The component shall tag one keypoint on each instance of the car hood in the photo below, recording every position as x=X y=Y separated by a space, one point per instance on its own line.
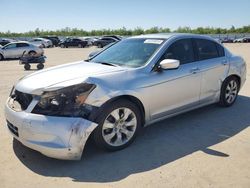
x=62 y=76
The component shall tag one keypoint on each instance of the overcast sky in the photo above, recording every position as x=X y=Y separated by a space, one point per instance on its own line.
x=25 y=15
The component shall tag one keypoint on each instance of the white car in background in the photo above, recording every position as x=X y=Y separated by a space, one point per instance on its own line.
x=41 y=42
x=16 y=50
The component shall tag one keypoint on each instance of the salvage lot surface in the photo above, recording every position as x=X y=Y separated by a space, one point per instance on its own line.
x=208 y=147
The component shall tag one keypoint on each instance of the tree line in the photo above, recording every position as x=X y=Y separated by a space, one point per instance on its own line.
x=126 y=32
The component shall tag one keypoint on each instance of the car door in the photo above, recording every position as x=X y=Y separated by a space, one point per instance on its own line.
x=21 y=48
x=214 y=67
x=76 y=42
x=176 y=90
x=71 y=42
x=10 y=50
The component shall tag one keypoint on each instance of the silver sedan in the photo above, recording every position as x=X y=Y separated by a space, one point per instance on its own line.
x=16 y=50
x=131 y=84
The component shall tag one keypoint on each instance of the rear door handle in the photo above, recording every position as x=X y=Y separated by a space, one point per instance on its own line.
x=194 y=70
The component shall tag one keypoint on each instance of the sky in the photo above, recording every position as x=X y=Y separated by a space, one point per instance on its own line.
x=26 y=15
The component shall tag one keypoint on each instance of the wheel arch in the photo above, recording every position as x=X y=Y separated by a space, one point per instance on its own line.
x=132 y=99
x=2 y=55
x=234 y=75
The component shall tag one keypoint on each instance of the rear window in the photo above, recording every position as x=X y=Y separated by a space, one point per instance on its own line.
x=207 y=49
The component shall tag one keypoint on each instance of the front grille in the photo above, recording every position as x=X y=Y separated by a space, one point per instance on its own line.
x=13 y=128
x=23 y=99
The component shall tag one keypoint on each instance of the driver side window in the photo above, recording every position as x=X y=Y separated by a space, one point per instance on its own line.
x=181 y=50
x=10 y=46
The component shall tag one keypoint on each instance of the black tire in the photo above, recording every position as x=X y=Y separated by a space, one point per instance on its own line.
x=62 y=46
x=224 y=99
x=1 y=57
x=104 y=113
x=32 y=53
x=99 y=45
x=27 y=66
x=40 y=66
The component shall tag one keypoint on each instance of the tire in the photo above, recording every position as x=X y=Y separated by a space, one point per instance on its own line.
x=229 y=91
x=1 y=57
x=112 y=133
x=80 y=46
x=32 y=53
x=40 y=66
x=27 y=66
x=99 y=45
x=62 y=46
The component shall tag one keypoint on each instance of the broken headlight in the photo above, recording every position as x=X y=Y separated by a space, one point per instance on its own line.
x=68 y=101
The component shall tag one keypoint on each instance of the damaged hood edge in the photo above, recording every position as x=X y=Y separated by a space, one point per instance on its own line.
x=62 y=76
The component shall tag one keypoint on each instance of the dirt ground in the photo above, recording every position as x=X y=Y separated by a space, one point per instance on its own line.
x=208 y=147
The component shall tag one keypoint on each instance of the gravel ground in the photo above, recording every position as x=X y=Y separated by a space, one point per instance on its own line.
x=208 y=147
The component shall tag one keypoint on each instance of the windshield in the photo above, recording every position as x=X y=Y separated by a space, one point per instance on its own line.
x=129 y=52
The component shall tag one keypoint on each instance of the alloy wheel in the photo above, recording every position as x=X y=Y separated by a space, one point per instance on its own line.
x=231 y=91
x=119 y=126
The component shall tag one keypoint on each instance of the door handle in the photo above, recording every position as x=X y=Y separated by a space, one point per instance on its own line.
x=194 y=70
x=224 y=62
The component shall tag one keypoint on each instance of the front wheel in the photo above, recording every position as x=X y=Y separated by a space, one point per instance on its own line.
x=229 y=91
x=119 y=124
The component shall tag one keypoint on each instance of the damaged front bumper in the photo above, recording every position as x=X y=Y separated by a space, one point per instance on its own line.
x=56 y=137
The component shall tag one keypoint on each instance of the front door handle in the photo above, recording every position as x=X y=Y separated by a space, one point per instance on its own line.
x=194 y=70
x=224 y=62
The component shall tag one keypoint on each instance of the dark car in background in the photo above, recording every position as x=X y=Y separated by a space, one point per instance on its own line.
x=227 y=40
x=246 y=39
x=100 y=43
x=4 y=41
x=54 y=39
x=114 y=36
x=73 y=42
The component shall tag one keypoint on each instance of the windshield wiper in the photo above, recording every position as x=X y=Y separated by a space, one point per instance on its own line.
x=106 y=63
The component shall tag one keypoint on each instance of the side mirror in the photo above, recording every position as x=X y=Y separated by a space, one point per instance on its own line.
x=168 y=64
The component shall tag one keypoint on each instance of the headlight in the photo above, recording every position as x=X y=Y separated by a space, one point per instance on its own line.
x=68 y=101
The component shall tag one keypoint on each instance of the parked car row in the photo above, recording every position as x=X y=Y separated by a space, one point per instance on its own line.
x=242 y=40
x=239 y=40
x=89 y=41
x=44 y=42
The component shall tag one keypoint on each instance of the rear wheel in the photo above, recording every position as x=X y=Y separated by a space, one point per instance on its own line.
x=32 y=53
x=27 y=66
x=40 y=66
x=119 y=124
x=229 y=91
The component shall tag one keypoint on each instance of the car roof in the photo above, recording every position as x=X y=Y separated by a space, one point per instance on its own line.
x=170 y=35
